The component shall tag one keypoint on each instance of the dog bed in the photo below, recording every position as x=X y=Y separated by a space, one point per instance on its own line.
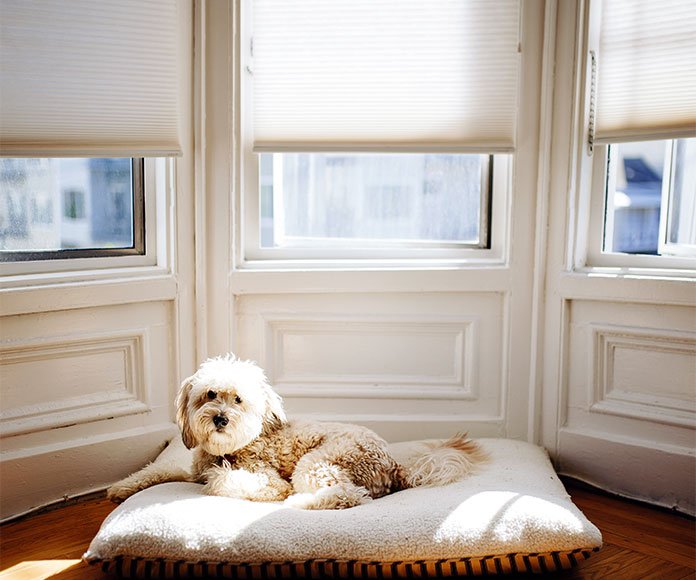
x=512 y=515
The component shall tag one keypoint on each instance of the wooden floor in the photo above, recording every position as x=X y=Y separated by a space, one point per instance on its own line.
x=640 y=543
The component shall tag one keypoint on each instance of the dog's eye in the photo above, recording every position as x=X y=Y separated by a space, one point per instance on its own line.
x=237 y=400
x=212 y=394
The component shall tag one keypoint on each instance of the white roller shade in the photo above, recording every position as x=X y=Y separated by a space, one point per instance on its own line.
x=88 y=78
x=384 y=75
x=647 y=70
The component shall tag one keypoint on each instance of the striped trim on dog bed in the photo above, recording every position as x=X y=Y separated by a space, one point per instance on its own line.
x=475 y=566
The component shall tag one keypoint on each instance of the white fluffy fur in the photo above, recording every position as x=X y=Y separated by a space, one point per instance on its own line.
x=245 y=447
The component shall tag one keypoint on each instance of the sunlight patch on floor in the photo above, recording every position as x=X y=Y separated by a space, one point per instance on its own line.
x=36 y=569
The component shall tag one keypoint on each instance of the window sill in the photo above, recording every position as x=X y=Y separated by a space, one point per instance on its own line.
x=630 y=285
x=51 y=292
x=366 y=277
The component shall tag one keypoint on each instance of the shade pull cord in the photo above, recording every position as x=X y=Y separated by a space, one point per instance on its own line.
x=593 y=103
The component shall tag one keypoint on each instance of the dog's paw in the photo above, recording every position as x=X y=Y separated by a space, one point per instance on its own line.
x=243 y=484
x=120 y=491
x=302 y=501
x=335 y=497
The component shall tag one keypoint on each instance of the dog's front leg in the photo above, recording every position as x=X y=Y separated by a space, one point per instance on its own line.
x=256 y=484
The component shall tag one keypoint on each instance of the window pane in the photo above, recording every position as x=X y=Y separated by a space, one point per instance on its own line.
x=634 y=196
x=55 y=204
x=682 y=214
x=307 y=199
x=651 y=198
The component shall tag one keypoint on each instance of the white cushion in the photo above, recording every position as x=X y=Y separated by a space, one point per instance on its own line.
x=513 y=513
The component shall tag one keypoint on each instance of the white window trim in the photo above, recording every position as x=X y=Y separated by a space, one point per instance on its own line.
x=20 y=281
x=596 y=256
x=587 y=254
x=250 y=256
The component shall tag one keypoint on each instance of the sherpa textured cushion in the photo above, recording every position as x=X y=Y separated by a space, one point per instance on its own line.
x=512 y=515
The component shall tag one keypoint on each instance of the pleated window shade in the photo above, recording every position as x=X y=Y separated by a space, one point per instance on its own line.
x=385 y=75
x=647 y=70
x=88 y=78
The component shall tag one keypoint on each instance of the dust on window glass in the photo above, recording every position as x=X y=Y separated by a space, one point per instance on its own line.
x=321 y=197
x=53 y=204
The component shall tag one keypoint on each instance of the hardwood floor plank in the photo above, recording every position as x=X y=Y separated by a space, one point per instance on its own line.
x=650 y=531
x=647 y=548
x=624 y=565
x=669 y=570
x=672 y=535
x=61 y=534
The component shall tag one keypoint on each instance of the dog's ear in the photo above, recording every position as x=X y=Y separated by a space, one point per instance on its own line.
x=182 y=418
x=275 y=414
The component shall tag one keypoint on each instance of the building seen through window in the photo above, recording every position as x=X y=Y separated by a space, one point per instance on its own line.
x=377 y=198
x=53 y=204
x=651 y=197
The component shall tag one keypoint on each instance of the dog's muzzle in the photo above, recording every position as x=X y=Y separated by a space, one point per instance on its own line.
x=220 y=421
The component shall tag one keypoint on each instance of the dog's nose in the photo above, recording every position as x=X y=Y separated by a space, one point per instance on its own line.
x=220 y=420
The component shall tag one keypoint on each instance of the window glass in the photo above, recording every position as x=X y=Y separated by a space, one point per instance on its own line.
x=650 y=196
x=682 y=209
x=373 y=199
x=55 y=204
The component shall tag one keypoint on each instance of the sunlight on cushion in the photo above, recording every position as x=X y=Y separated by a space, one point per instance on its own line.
x=504 y=515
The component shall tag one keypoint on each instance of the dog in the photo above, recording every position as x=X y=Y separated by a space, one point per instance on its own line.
x=245 y=447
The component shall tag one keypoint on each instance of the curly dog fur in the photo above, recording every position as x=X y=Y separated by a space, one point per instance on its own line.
x=246 y=448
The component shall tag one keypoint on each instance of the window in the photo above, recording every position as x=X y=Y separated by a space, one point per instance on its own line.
x=55 y=208
x=650 y=203
x=356 y=146
x=80 y=135
x=371 y=200
x=640 y=79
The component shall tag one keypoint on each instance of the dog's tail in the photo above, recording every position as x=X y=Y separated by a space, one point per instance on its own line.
x=444 y=462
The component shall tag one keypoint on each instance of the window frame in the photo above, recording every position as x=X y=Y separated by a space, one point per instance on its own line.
x=599 y=191
x=249 y=254
x=666 y=221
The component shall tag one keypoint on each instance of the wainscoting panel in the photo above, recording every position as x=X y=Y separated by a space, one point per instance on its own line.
x=335 y=356
x=630 y=399
x=648 y=374
x=429 y=362
x=87 y=393
x=90 y=377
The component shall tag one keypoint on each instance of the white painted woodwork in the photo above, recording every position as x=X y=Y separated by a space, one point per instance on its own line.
x=619 y=379
x=91 y=358
x=390 y=359
x=92 y=377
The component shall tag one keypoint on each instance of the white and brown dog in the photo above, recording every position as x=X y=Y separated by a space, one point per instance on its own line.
x=244 y=447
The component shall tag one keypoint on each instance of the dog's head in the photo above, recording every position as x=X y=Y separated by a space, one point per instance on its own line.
x=226 y=405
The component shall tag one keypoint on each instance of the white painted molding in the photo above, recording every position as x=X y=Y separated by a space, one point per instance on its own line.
x=624 y=286
x=337 y=280
x=153 y=286
x=96 y=405
x=607 y=340
x=37 y=476
x=461 y=336
x=631 y=467
x=536 y=360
